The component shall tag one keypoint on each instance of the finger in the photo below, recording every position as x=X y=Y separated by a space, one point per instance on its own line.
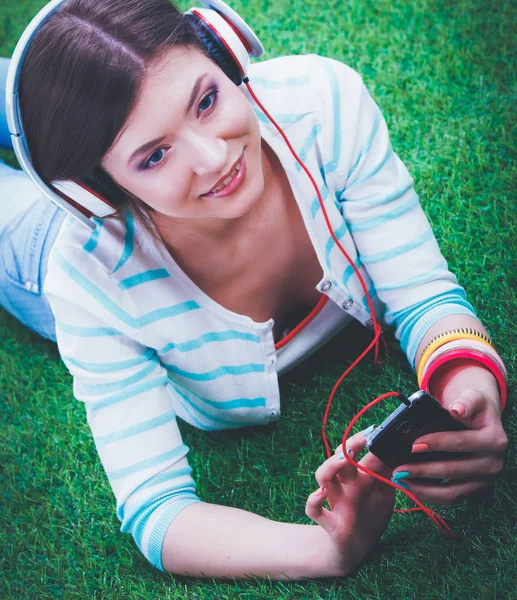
x=357 y=442
x=355 y=445
x=315 y=510
x=370 y=461
x=489 y=440
x=489 y=466
x=327 y=475
x=447 y=493
x=346 y=475
x=469 y=403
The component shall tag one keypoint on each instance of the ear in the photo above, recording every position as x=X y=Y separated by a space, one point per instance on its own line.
x=228 y=39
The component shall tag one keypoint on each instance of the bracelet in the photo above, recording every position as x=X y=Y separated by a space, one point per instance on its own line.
x=468 y=330
x=463 y=333
x=485 y=360
x=467 y=345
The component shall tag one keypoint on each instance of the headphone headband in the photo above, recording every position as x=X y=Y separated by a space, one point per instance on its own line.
x=230 y=42
x=246 y=35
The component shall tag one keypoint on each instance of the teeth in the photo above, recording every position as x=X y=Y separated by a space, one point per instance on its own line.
x=227 y=180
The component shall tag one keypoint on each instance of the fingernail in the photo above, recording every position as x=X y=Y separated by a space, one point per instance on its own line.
x=419 y=447
x=350 y=452
x=340 y=455
x=459 y=408
x=400 y=475
x=321 y=490
x=369 y=430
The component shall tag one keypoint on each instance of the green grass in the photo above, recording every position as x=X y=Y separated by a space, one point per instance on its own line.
x=442 y=73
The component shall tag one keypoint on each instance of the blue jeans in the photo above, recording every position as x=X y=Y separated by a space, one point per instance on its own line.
x=29 y=224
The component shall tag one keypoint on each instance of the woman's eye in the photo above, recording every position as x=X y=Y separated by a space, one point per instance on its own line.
x=208 y=101
x=155 y=158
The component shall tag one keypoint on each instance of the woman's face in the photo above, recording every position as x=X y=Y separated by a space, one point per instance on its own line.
x=191 y=147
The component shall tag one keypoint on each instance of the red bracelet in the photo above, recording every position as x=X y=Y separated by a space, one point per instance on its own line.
x=485 y=360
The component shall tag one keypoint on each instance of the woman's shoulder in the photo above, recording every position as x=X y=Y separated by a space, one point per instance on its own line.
x=96 y=259
x=311 y=90
x=108 y=246
x=300 y=70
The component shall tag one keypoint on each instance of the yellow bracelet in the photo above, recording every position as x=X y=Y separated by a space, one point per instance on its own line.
x=463 y=333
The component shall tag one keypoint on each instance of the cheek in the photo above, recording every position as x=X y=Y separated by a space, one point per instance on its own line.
x=239 y=117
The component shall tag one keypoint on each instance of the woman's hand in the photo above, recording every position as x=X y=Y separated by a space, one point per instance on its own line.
x=360 y=506
x=471 y=395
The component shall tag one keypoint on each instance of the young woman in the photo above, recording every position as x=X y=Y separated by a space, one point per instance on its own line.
x=218 y=273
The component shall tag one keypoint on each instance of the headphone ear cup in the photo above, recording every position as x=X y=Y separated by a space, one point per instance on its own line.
x=99 y=181
x=95 y=194
x=215 y=49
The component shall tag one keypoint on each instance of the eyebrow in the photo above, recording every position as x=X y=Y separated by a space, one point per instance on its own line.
x=195 y=91
x=149 y=145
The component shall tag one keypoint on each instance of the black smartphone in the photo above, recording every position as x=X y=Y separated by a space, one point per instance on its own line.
x=392 y=441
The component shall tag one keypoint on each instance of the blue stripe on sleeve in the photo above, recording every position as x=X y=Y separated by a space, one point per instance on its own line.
x=415 y=318
x=137 y=519
x=420 y=240
x=110 y=366
x=134 y=280
x=117 y=386
x=162 y=478
x=281 y=83
x=142 y=465
x=122 y=434
x=368 y=224
x=373 y=172
x=284 y=119
x=134 y=390
x=332 y=165
x=306 y=144
x=368 y=143
x=419 y=279
x=372 y=202
x=153 y=482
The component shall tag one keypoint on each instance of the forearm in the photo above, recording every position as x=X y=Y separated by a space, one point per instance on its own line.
x=210 y=540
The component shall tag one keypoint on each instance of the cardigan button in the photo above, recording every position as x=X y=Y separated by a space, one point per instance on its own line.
x=369 y=324
x=271 y=363
x=348 y=304
x=325 y=286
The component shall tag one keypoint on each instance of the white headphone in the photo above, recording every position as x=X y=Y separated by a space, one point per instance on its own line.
x=229 y=41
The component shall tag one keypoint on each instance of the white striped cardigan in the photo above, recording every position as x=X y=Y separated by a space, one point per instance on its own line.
x=146 y=346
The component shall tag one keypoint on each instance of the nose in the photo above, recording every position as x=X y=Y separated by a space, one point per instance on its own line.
x=208 y=154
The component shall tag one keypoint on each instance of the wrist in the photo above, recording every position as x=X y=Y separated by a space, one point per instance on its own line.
x=328 y=559
x=449 y=380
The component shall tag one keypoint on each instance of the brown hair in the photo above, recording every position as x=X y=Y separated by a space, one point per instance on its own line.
x=80 y=79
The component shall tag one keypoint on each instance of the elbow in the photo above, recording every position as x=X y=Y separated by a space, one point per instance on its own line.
x=148 y=523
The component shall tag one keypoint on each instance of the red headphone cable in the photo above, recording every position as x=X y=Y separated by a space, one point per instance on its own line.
x=436 y=518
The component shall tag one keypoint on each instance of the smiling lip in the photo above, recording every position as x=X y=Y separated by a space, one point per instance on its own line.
x=235 y=183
